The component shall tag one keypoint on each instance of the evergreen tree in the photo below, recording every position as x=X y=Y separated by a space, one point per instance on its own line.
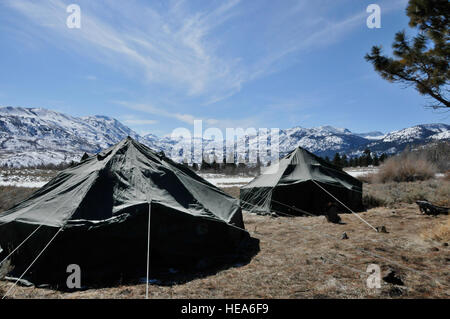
x=422 y=62
x=337 y=160
x=215 y=165
x=230 y=166
x=367 y=157
x=223 y=165
x=351 y=162
x=362 y=161
x=376 y=161
x=242 y=168
x=344 y=161
x=186 y=162
x=258 y=166
x=206 y=166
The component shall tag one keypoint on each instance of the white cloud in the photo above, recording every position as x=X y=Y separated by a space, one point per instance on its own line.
x=150 y=109
x=179 y=48
x=170 y=50
x=139 y=122
x=189 y=118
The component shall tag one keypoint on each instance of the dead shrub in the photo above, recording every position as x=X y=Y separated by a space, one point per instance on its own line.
x=367 y=178
x=406 y=167
x=371 y=201
x=390 y=194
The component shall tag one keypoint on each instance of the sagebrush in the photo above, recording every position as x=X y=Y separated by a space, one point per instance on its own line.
x=406 y=167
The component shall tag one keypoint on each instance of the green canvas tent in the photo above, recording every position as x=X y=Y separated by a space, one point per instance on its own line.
x=97 y=213
x=297 y=183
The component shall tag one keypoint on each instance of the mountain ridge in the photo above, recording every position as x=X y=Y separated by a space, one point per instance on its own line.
x=38 y=136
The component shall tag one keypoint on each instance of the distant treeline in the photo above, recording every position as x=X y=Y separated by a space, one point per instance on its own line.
x=50 y=166
x=366 y=159
x=215 y=167
x=437 y=153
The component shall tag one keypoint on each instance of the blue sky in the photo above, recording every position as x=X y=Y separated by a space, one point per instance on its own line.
x=158 y=65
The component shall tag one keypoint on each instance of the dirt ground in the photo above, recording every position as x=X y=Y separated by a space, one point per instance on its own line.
x=306 y=257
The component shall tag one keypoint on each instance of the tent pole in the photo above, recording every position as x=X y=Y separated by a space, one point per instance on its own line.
x=148 y=248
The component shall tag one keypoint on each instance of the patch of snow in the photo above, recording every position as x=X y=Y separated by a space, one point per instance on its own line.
x=22 y=184
x=221 y=180
x=358 y=172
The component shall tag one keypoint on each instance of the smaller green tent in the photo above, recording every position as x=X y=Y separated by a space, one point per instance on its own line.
x=300 y=182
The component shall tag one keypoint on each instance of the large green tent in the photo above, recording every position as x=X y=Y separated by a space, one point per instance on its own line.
x=97 y=213
x=301 y=183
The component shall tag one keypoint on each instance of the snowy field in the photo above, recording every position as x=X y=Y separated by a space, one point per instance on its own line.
x=37 y=178
x=361 y=171
x=30 y=178
x=22 y=183
x=33 y=178
x=222 y=181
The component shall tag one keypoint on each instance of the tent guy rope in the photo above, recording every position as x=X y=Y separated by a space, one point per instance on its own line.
x=32 y=263
x=20 y=245
x=345 y=206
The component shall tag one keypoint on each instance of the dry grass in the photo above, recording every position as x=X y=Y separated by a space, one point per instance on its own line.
x=447 y=176
x=368 y=178
x=10 y=195
x=437 y=191
x=232 y=191
x=440 y=232
x=306 y=258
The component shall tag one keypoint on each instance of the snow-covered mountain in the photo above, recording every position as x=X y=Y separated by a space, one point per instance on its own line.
x=323 y=141
x=417 y=135
x=376 y=135
x=32 y=136
x=327 y=140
